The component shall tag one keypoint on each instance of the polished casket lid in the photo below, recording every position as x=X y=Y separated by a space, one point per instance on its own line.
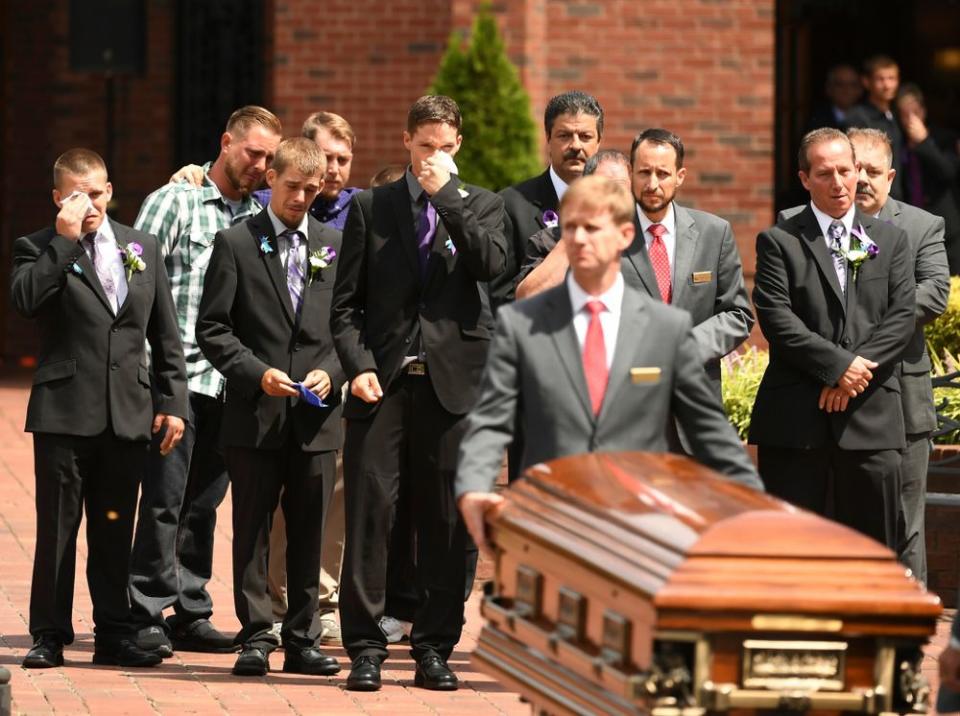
x=667 y=527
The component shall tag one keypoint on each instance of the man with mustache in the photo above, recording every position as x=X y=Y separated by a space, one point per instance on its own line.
x=926 y=234
x=173 y=547
x=835 y=296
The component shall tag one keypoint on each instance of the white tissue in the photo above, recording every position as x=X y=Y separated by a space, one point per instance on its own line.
x=446 y=161
x=90 y=209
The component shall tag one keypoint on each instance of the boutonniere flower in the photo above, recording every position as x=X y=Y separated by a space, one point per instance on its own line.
x=75 y=267
x=131 y=255
x=265 y=247
x=862 y=248
x=462 y=188
x=450 y=247
x=319 y=260
x=550 y=218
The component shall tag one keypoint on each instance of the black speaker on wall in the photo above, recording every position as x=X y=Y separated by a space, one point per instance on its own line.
x=107 y=36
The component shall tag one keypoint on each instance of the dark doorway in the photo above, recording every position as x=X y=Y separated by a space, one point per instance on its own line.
x=923 y=36
x=220 y=57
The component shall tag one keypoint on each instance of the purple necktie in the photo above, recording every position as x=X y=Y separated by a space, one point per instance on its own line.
x=426 y=229
x=103 y=271
x=294 y=269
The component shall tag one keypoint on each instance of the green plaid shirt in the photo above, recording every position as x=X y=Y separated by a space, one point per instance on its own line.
x=185 y=220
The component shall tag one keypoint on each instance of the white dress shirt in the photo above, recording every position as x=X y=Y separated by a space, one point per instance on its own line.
x=111 y=261
x=612 y=300
x=284 y=243
x=559 y=185
x=669 y=238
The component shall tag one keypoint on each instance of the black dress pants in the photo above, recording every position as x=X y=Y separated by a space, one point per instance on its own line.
x=173 y=547
x=865 y=484
x=101 y=474
x=409 y=441
x=256 y=477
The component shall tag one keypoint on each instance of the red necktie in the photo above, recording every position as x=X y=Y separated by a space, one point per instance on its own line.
x=595 y=357
x=660 y=261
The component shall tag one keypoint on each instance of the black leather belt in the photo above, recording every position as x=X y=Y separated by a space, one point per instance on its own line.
x=416 y=367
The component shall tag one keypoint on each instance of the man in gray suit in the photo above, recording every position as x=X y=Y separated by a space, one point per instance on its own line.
x=591 y=365
x=926 y=234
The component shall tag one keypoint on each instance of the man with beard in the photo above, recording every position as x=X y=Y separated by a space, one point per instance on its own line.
x=926 y=234
x=173 y=546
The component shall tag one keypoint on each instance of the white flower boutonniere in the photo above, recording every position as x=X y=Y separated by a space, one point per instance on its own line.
x=265 y=247
x=319 y=260
x=862 y=248
x=462 y=189
x=131 y=257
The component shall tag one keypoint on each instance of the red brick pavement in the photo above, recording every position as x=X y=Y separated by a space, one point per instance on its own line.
x=196 y=683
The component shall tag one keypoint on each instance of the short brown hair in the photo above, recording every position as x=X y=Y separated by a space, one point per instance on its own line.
x=876 y=137
x=433 y=108
x=78 y=162
x=601 y=193
x=819 y=136
x=301 y=154
x=878 y=62
x=387 y=175
x=338 y=127
x=244 y=118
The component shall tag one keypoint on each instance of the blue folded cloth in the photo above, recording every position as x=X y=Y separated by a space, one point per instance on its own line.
x=309 y=397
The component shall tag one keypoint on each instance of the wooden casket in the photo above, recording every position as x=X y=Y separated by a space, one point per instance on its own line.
x=631 y=583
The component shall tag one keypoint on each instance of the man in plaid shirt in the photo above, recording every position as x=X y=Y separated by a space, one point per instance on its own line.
x=173 y=546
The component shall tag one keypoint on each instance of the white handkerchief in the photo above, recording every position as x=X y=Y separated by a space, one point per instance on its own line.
x=446 y=161
x=90 y=209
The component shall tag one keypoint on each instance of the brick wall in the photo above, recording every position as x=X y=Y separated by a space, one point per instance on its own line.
x=50 y=109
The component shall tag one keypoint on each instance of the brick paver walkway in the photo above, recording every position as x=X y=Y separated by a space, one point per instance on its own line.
x=196 y=683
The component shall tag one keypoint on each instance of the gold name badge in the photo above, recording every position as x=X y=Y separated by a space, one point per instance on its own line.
x=644 y=375
x=702 y=276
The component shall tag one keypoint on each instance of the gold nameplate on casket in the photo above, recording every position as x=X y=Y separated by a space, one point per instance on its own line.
x=631 y=583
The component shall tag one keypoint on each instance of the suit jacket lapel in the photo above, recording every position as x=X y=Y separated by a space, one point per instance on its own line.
x=633 y=324
x=685 y=248
x=261 y=227
x=816 y=244
x=640 y=260
x=401 y=208
x=568 y=348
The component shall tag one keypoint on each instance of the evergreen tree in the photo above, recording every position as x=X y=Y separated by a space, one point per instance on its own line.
x=500 y=144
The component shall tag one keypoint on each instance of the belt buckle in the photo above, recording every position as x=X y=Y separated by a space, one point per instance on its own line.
x=417 y=368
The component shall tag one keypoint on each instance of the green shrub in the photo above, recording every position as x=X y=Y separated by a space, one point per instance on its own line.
x=742 y=371
x=946 y=399
x=501 y=142
x=943 y=334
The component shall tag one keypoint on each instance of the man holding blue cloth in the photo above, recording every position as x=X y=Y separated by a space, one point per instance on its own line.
x=264 y=323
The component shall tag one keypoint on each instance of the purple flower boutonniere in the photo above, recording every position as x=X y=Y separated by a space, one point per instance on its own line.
x=131 y=257
x=319 y=260
x=265 y=247
x=550 y=218
x=862 y=248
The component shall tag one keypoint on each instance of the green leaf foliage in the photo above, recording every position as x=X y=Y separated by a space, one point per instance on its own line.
x=943 y=334
x=741 y=372
x=500 y=139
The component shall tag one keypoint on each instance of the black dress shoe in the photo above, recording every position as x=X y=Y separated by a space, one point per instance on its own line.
x=126 y=653
x=252 y=661
x=154 y=638
x=200 y=635
x=364 y=674
x=434 y=674
x=310 y=661
x=47 y=652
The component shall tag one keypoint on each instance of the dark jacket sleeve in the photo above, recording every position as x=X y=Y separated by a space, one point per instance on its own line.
x=941 y=165
x=166 y=349
x=886 y=344
x=349 y=291
x=476 y=230
x=215 y=335
x=39 y=274
x=802 y=348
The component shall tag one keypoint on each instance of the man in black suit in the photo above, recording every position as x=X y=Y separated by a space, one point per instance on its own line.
x=931 y=166
x=98 y=290
x=412 y=325
x=834 y=293
x=573 y=123
x=264 y=323
x=925 y=232
x=843 y=91
x=881 y=79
